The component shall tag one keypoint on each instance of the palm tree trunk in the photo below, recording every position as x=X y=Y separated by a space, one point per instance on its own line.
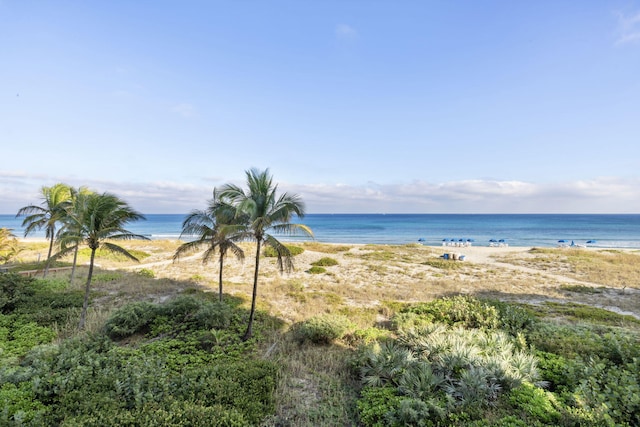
x=73 y=268
x=220 y=275
x=249 y=331
x=46 y=264
x=85 y=304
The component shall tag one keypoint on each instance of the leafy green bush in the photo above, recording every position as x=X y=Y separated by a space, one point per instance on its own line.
x=145 y=272
x=325 y=262
x=268 y=251
x=180 y=309
x=513 y=318
x=376 y=404
x=316 y=270
x=19 y=407
x=46 y=307
x=14 y=289
x=130 y=319
x=322 y=329
x=213 y=315
x=535 y=402
x=155 y=415
x=464 y=311
x=559 y=372
x=613 y=393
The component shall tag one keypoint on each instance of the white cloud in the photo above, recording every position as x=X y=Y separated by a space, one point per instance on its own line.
x=599 y=195
x=345 y=32
x=185 y=110
x=628 y=28
x=602 y=195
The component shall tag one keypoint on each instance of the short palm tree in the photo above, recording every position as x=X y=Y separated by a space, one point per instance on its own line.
x=48 y=215
x=96 y=220
x=264 y=212
x=217 y=230
x=8 y=245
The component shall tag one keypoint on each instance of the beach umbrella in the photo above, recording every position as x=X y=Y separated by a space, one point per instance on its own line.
x=562 y=241
x=493 y=240
x=470 y=240
x=445 y=240
x=421 y=239
x=501 y=241
x=591 y=241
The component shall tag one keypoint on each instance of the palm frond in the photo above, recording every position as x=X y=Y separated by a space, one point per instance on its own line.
x=118 y=249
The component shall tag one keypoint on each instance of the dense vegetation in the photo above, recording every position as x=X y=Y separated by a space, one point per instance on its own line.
x=452 y=361
x=177 y=363
x=464 y=361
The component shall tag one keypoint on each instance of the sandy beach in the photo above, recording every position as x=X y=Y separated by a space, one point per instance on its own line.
x=366 y=275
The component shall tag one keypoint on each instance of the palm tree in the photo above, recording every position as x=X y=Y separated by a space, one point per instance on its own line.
x=74 y=210
x=97 y=219
x=264 y=211
x=55 y=201
x=8 y=245
x=217 y=229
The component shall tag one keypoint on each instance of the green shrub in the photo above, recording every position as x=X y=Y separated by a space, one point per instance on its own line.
x=376 y=404
x=145 y=272
x=613 y=393
x=180 y=309
x=14 y=289
x=464 y=311
x=19 y=407
x=213 y=315
x=322 y=329
x=535 y=402
x=316 y=270
x=513 y=319
x=51 y=284
x=325 y=262
x=268 y=251
x=131 y=319
x=18 y=335
x=47 y=308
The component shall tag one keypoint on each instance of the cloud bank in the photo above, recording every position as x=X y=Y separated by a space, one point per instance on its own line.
x=598 y=195
x=628 y=28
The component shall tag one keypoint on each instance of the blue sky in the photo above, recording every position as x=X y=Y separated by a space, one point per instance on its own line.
x=357 y=106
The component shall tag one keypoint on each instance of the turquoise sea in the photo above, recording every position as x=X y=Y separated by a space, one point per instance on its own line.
x=608 y=231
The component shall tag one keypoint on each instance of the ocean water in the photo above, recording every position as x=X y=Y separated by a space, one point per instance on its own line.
x=608 y=231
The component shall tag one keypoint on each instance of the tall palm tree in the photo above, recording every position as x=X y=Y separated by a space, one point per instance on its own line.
x=217 y=229
x=99 y=218
x=74 y=210
x=265 y=212
x=55 y=201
